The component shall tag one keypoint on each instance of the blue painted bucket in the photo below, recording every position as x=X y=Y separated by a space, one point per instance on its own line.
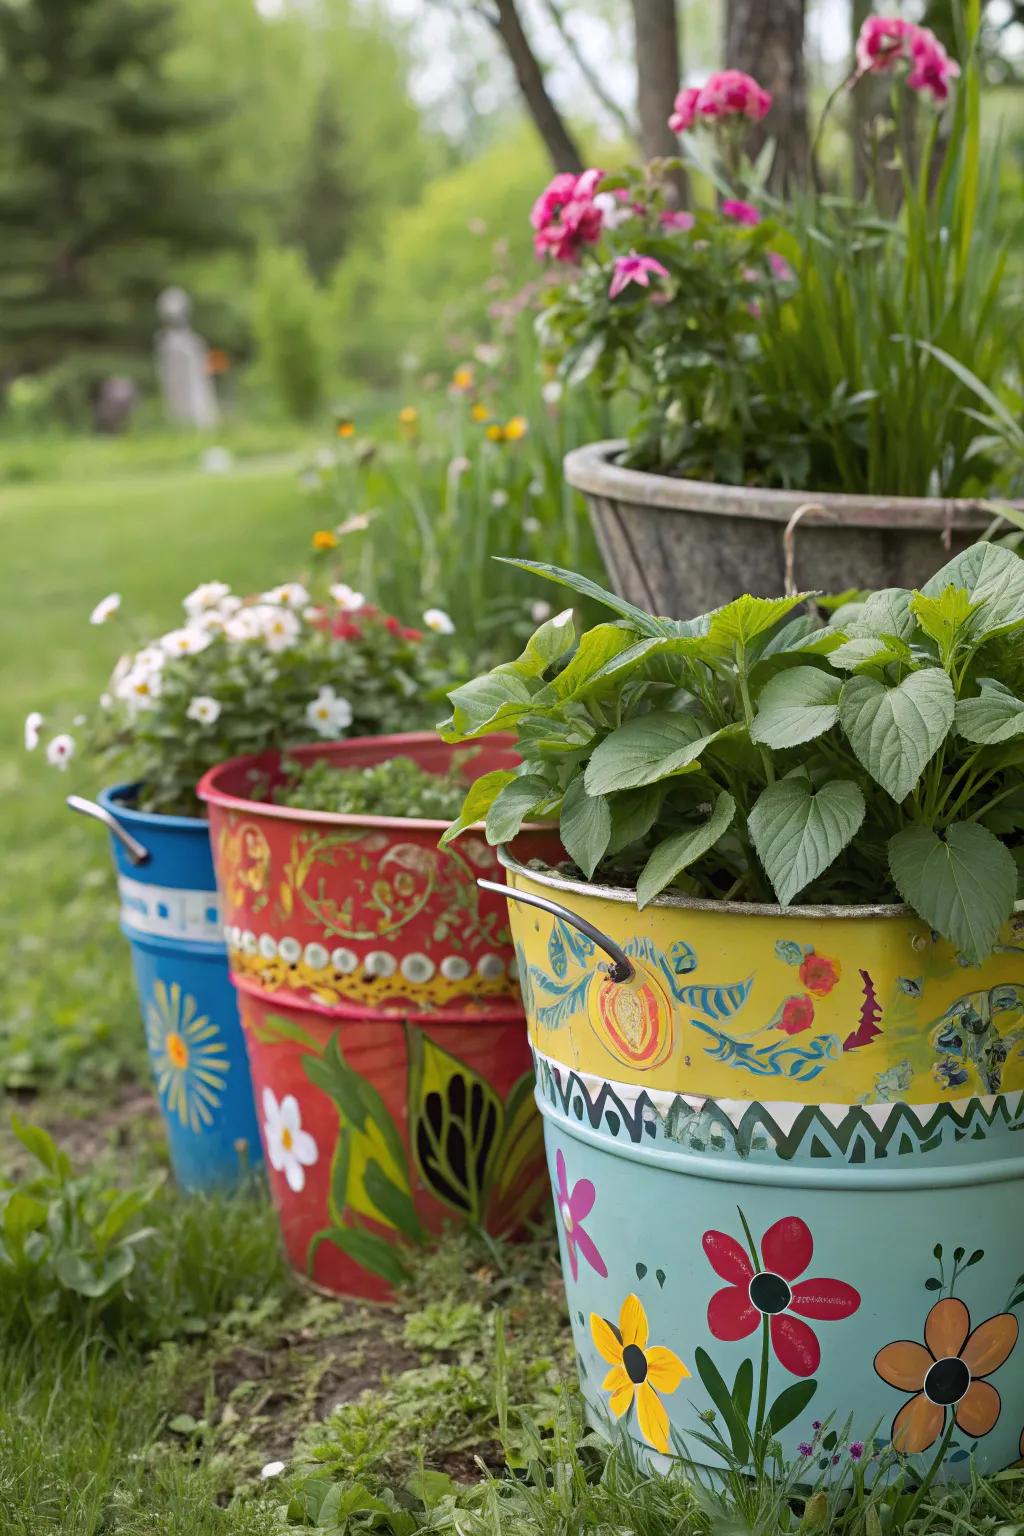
x=170 y=915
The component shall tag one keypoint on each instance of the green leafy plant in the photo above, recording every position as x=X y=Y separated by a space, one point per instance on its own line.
x=396 y=787
x=755 y=751
x=291 y=665
x=66 y=1240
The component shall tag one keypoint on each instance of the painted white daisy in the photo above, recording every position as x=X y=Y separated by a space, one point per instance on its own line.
x=60 y=751
x=33 y=725
x=291 y=1149
x=347 y=599
x=106 y=608
x=208 y=594
x=203 y=709
x=437 y=620
x=292 y=594
x=328 y=713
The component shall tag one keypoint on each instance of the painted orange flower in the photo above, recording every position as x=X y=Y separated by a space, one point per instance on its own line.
x=639 y=1371
x=819 y=973
x=947 y=1371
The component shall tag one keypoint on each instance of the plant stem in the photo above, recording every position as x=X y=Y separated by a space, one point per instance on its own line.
x=932 y=1471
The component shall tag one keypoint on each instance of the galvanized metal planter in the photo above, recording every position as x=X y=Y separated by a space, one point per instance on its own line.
x=377 y=986
x=680 y=547
x=787 y=1162
x=170 y=915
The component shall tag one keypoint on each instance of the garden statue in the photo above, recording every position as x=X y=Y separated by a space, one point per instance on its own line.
x=181 y=360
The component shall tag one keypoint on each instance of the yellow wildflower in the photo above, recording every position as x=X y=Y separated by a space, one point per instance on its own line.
x=408 y=416
x=496 y=432
x=462 y=378
x=325 y=539
x=480 y=412
x=346 y=429
x=516 y=427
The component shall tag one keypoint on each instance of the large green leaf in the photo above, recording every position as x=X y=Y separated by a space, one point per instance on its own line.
x=585 y=826
x=943 y=618
x=642 y=660
x=634 y=813
x=643 y=622
x=798 y=833
x=682 y=848
x=796 y=706
x=480 y=797
x=895 y=732
x=512 y=805
x=995 y=715
x=885 y=612
x=992 y=576
x=487 y=704
x=545 y=646
x=645 y=749
x=597 y=647
x=962 y=884
x=736 y=626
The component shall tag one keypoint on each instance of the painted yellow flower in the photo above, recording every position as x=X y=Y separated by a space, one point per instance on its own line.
x=516 y=427
x=638 y=1371
x=190 y=1060
x=325 y=539
x=479 y=412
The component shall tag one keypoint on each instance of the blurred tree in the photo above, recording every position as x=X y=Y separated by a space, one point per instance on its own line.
x=767 y=41
x=504 y=17
x=107 y=181
x=325 y=206
x=656 y=30
x=289 y=315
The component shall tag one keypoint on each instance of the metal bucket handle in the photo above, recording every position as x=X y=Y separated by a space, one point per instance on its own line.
x=135 y=850
x=621 y=968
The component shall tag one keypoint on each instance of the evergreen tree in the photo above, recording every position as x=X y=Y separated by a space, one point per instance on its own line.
x=326 y=204
x=107 y=184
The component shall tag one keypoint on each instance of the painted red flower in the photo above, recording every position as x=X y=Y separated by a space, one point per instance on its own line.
x=796 y=1016
x=819 y=973
x=769 y=1292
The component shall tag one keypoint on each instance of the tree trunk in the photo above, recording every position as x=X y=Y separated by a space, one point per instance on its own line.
x=530 y=77
x=765 y=38
x=656 y=29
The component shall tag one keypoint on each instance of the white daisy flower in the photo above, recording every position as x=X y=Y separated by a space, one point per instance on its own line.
x=247 y=624
x=292 y=594
x=329 y=714
x=150 y=659
x=140 y=688
x=499 y=498
x=291 y=1149
x=551 y=391
x=185 y=642
x=208 y=594
x=272 y=1469
x=279 y=627
x=203 y=709
x=106 y=608
x=437 y=620
x=531 y=525
x=33 y=725
x=60 y=751
x=458 y=467
x=347 y=600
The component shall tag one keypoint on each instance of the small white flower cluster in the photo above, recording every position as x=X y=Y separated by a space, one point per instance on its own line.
x=60 y=749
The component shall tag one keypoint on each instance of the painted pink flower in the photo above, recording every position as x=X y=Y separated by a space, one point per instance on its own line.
x=566 y=217
x=634 y=269
x=677 y=218
x=766 y=1290
x=572 y=1208
x=731 y=93
x=739 y=212
x=684 y=109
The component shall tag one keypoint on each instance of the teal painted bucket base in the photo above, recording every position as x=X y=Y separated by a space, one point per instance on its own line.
x=838 y=1300
x=170 y=915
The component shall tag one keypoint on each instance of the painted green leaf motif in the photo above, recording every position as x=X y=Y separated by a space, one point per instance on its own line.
x=996 y=715
x=514 y=1194
x=714 y=1385
x=512 y=805
x=586 y=826
x=964 y=886
x=482 y=794
x=895 y=732
x=993 y=577
x=456 y=1124
x=789 y=1405
x=682 y=848
x=368 y=1249
x=798 y=834
x=646 y=749
x=796 y=706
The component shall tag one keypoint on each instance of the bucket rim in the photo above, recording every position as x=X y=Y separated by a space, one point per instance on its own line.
x=208 y=789
x=116 y=799
x=626 y=896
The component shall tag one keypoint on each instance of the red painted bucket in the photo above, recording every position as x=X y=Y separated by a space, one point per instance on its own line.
x=377 y=985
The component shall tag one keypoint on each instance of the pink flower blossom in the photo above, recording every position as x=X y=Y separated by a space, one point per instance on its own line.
x=685 y=109
x=565 y=216
x=634 y=268
x=780 y=267
x=887 y=41
x=740 y=212
x=677 y=218
x=572 y=1208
